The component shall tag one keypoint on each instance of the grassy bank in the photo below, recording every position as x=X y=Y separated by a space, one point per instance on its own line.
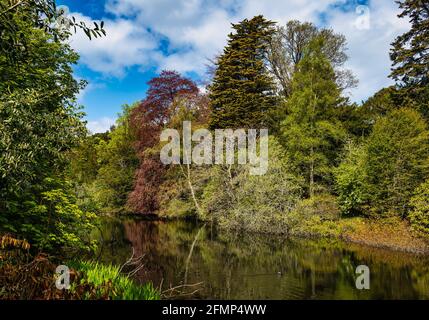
x=388 y=233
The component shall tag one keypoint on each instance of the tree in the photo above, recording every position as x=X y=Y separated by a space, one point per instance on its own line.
x=42 y=14
x=154 y=112
x=39 y=123
x=397 y=160
x=39 y=117
x=380 y=176
x=117 y=161
x=364 y=117
x=239 y=201
x=148 y=119
x=312 y=134
x=242 y=92
x=289 y=45
x=410 y=56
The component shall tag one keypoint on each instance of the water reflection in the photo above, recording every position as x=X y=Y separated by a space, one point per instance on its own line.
x=260 y=267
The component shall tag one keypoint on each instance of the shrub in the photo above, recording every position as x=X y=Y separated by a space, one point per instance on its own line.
x=323 y=205
x=381 y=175
x=419 y=215
x=51 y=220
x=350 y=181
x=240 y=201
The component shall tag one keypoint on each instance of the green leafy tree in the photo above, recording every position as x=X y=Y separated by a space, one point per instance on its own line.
x=39 y=123
x=242 y=92
x=41 y=14
x=312 y=133
x=397 y=160
x=239 y=201
x=117 y=161
x=380 y=176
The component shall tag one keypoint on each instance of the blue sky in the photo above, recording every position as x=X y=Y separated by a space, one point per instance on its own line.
x=147 y=36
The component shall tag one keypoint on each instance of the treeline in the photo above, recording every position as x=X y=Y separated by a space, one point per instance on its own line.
x=329 y=158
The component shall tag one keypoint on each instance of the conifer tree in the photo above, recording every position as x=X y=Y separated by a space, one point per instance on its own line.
x=242 y=93
x=410 y=56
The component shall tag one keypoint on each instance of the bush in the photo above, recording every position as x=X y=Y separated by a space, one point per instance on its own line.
x=323 y=205
x=419 y=215
x=380 y=176
x=50 y=219
x=240 y=201
x=350 y=181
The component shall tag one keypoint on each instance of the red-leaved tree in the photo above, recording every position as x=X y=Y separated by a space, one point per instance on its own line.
x=148 y=119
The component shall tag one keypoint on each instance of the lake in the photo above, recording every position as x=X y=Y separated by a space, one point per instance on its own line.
x=223 y=266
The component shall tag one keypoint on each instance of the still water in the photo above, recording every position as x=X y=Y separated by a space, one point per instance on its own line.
x=258 y=267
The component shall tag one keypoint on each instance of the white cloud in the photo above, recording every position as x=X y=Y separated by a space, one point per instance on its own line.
x=126 y=45
x=197 y=30
x=100 y=125
x=369 y=48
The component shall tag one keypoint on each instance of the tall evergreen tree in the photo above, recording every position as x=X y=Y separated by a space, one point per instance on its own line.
x=312 y=131
x=410 y=56
x=242 y=93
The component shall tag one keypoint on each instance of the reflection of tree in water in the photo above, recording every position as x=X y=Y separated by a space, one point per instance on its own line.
x=252 y=266
x=164 y=246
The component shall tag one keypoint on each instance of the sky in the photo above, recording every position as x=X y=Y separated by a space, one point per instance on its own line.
x=145 y=37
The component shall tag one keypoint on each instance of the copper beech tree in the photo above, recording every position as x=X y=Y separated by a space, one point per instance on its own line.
x=148 y=119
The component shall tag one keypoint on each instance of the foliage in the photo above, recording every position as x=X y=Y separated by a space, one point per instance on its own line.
x=381 y=176
x=148 y=119
x=381 y=103
x=109 y=283
x=50 y=219
x=312 y=133
x=289 y=45
x=351 y=180
x=26 y=277
x=150 y=116
x=410 y=56
x=117 y=161
x=238 y=201
x=84 y=163
x=39 y=123
x=409 y=51
x=419 y=215
x=397 y=162
x=242 y=92
x=40 y=14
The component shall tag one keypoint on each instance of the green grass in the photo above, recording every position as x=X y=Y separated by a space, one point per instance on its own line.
x=109 y=283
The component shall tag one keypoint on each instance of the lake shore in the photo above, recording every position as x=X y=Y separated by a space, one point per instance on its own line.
x=391 y=234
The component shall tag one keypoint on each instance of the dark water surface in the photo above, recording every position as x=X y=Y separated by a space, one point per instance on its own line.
x=259 y=267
